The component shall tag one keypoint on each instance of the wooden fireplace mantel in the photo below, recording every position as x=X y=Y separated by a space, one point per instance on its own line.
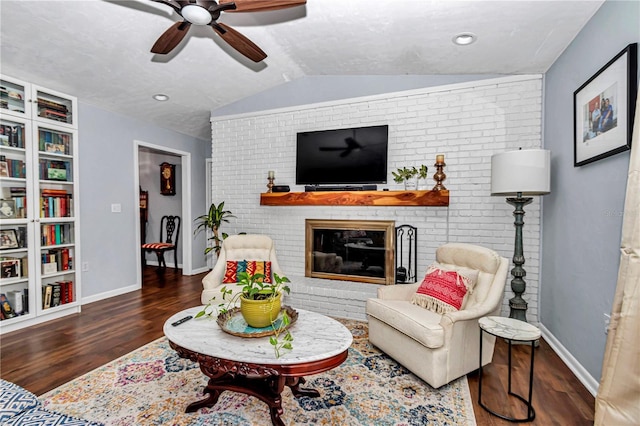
x=357 y=198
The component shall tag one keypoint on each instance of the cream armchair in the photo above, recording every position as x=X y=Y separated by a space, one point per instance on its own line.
x=440 y=348
x=238 y=247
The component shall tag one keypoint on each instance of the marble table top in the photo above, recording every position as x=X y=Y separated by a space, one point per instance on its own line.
x=509 y=328
x=316 y=337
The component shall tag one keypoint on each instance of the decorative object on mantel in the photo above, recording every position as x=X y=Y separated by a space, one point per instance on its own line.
x=271 y=175
x=167 y=179
x=439 y=176
x=522 y=172
x=410 y=176
x=603 y=109
x=212 y=221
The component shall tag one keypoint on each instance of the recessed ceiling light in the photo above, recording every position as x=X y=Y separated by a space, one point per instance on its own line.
x=160 y=97
x=464 y=39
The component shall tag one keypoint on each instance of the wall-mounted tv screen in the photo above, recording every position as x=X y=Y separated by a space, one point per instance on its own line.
x=342 y=156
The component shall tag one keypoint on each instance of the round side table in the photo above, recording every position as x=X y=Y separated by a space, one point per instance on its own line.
x=511 y=330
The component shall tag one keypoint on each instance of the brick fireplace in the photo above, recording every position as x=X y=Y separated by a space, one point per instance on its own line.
x=466 y=122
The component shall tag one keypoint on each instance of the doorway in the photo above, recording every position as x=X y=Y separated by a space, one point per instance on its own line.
x=147 y=160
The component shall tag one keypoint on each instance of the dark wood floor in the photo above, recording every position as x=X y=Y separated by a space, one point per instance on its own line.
x=45 y=356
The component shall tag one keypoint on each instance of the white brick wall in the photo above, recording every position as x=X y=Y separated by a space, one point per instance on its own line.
x=467 y=122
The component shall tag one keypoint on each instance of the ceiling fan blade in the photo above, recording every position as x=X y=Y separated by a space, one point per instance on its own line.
x=170 y=38
x=171 y=3
x=239 y=42
x=262 y=5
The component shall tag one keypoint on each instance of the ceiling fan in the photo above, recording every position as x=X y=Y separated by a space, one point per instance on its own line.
x=206 y=12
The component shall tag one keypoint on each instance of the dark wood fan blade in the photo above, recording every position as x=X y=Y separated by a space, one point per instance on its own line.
x=262 y=5
x=171 y=3
x=170 y=38
x=239 y=42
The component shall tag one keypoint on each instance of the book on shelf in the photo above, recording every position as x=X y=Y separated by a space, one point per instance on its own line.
x=55 y=142
x=17 y=301
x=66 y=291
x=46 y=296
x=56 y=203
x=6 y=308
x=12 y=136
x=55 y=170
x=56 y=292
x=55 y=234
x=55 y=260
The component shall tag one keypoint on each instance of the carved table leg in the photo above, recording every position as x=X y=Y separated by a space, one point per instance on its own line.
x=294 y=384
x=209 y=401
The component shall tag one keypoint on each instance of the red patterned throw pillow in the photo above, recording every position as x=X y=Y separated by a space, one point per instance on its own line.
x=252 y=267
x=443 y=289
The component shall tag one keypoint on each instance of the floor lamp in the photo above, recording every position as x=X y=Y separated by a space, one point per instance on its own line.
x=521 y=173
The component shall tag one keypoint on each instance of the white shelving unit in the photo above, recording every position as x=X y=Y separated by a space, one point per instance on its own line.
x=39 y=228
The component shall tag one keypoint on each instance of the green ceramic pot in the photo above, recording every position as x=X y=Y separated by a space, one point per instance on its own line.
x=260 y=313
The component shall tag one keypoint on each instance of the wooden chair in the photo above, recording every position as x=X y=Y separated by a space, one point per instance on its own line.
x=169 y=227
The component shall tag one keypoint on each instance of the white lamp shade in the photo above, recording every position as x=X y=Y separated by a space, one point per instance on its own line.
x=527 y=171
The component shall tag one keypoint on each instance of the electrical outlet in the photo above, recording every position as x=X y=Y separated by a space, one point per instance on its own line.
x=607 y=320
x=85 y=266
x=116 y=208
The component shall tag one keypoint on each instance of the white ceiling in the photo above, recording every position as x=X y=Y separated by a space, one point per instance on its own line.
x=98 y=50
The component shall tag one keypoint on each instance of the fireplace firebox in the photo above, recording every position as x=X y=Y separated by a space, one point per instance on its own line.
x=351 y=250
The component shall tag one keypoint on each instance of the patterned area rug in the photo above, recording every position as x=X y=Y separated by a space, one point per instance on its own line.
x=152 y=386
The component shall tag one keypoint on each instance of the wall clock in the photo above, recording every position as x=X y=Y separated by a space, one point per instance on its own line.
x=167 y=179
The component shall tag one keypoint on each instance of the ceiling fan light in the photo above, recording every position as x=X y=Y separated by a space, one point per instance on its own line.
x=195 y=14
x=464 y=39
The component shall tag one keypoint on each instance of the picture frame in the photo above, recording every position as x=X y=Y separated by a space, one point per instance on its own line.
x=7 y=209
x=10 y=268
x=8 y=239
x=604 y=107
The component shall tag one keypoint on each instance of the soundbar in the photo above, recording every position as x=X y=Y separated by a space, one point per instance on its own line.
x=314 y=188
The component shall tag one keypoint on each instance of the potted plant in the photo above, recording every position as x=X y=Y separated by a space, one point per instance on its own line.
x=410 y=176
x=260 y=305
x=422 y=173
x=212 y=220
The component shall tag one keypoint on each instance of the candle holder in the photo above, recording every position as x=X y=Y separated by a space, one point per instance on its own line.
x=270 y=184
x=439 y=176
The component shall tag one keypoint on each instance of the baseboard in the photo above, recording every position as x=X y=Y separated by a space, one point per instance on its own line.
x=200 y=270
x=108 y=294
x=580 y=372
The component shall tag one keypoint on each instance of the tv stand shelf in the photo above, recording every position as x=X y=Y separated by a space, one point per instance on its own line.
x=356 y=198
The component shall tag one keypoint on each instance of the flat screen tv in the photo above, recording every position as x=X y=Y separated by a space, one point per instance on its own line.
x=342 y=156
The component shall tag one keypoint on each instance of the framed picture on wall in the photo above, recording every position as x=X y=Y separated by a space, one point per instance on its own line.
x=603 y=109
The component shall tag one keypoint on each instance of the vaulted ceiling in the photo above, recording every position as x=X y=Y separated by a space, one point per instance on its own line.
x=99 y=50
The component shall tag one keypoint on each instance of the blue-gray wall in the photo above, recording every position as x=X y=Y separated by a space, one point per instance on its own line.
x=107 y=177
x=582 y=217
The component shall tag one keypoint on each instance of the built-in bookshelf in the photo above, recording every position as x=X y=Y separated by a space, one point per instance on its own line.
x=39 y=249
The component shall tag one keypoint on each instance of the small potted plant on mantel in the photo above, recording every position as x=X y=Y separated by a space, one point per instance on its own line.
x=260 y=306
x=410 y=176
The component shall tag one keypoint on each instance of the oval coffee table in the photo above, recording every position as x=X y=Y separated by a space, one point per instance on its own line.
x=249 y=365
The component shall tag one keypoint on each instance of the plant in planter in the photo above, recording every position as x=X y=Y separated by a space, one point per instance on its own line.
x=260 y=305
x=410 y=176
x=212 y=220
x=422 y=172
